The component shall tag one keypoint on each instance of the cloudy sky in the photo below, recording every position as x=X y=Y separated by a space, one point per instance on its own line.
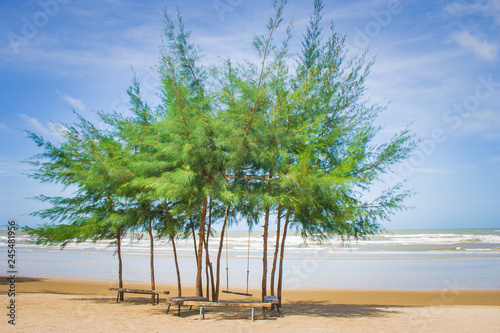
x=437 y=68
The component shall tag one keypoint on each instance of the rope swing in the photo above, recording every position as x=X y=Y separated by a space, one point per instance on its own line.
x=227 y=291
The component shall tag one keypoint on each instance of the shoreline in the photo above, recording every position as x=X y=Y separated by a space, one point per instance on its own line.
x=449 y=296
x=87 y=305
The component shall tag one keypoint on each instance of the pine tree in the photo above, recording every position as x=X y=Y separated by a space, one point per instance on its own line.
x=303 y=140
x=291 y=136
x=186 y=131
x=88 y=160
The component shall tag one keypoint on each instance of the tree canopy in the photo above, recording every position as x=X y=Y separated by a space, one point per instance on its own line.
x=291 y=136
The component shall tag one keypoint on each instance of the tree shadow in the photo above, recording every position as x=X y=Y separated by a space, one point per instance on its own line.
x=4 y=279
x=323 y=309
x=306 y=308
x=309 y=309
x=50 y=292
x=134 y=300
x=216 y=313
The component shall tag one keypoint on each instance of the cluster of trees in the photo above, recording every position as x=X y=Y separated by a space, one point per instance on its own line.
x=290 y=136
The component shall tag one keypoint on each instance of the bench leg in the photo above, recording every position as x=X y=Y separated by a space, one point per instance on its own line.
x=169 y=307
x=279 y=311
x=253 y=314
x=179 y=310
x=202 y=314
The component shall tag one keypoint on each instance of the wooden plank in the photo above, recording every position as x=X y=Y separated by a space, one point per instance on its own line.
x=229 y=304
x=154 y=293
x=236 y=293
x=271 y=299
x=181 y=300
x=140 y=291
x=202 y=311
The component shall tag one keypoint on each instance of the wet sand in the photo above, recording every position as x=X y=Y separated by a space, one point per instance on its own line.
x=72 y=305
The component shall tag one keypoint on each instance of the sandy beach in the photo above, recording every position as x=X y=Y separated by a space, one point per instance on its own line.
x=72 y=305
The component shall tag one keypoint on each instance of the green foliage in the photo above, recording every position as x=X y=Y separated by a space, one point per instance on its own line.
x=291 y=130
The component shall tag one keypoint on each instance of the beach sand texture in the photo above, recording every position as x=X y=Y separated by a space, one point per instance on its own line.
x=70 y=305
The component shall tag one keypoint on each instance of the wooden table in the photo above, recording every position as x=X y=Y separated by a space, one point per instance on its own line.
x=179 y=301
x=154 y=293
x=252 y=306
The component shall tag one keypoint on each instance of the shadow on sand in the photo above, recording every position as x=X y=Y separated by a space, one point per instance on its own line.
x=309 y=309
x=4 y=279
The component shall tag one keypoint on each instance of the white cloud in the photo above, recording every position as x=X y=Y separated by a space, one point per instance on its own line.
x=496 y=159
x=483 y=7
x=487 y=116
x=75 y=103
x=3 y=126
x=13 y=169
x=34 y=124
x=482 y=48
x=434 y=171
x=90 y=54
x=483 y=122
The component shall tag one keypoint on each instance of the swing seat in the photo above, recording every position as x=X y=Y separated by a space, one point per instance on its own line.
x=236 y=293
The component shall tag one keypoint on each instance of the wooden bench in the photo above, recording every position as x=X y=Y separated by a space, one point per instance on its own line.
x=252 y=306
x=154 y=293
x=274 y=301
x=179 y=301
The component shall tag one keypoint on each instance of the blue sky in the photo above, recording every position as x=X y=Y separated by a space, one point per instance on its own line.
x=437 y=65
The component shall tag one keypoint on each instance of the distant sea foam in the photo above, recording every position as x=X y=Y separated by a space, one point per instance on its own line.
x=399 y=259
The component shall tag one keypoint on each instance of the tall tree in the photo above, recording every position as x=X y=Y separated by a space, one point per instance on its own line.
x=333 y=154
x=137 y=136
x=185 y=128
x=292 y=135
x=309 y=138
x=90 y=161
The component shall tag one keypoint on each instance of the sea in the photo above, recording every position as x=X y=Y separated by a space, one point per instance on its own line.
x=397 y=259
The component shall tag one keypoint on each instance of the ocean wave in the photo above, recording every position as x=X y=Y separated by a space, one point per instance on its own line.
x=407 y=242
x=433 y=239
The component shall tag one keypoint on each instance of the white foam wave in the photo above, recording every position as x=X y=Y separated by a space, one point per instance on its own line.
x=453 y=242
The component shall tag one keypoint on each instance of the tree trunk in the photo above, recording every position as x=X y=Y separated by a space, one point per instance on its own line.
x=264 y=255
x=276 y=248
x=120 y=263
x=152 y=263
x=179 y=286
x=209 y=266
x=207 y=256
x=219 y=253
x=199 y=282
x=264 y=249
x=194 y=241
x=211 y=271
x=172 y=239
x=282 y=255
